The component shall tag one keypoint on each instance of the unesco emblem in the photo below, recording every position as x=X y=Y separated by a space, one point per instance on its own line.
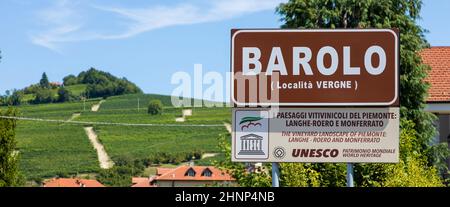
x=279 y=152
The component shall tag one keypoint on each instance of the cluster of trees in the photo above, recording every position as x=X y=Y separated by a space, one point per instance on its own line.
x=421 y=162
x=125 y=167
x=44 y=92
x=11 y=99
x=101 y=84
x=121 y=173
x=173 y=158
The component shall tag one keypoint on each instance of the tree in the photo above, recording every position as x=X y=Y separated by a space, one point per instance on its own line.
x=63 y=95
x=155 y=107
x=401 y=14
x=9 y=157
x=15 y=99
x=103 y=84
x=43 y=96
x=70 y=80
x=44 y=83
x=120 y=175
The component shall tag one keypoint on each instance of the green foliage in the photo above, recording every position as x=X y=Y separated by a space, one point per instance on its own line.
x=9 y=157
x=43 y=95
x=121 y=173
x=64 y=95
x=401 y=14
x=33 y=88
x=173 y=157
x=70 y=80
x=299 y=175
x=117 y=176
x=155 y=107
x=13 y=99
x=412 y=171
x=103 y=84
x=92 y=84
x=44 y=83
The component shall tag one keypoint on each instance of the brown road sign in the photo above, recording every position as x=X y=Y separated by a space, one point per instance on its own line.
x=341 y=67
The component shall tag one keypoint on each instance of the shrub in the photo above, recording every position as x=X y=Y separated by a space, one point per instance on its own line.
x=43 y=96
x=155 y=107
x=64 y=95
x=70 y=80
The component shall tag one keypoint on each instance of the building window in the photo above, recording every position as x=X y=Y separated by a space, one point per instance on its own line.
x=207 y=173
x=190 y=172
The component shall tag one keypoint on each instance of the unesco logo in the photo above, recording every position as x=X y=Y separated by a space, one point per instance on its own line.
x=279 y=152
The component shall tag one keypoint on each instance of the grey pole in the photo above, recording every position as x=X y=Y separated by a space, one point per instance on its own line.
x=350 y=175
x=275 y=175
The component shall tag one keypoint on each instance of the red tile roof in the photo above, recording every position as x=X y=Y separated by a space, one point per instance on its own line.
x=142 y=182
x=162 y=170
x=72 y=182
x=180 y=173
x=438 y=58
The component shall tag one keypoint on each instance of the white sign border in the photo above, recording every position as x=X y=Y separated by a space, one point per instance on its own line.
x=268 y=160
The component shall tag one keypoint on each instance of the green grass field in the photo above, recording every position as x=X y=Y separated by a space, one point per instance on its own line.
x=140 y=142
x=55 y=110
x=49 y=149
x=76 y=90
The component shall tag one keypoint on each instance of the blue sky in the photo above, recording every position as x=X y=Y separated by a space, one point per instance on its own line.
x=145 y=41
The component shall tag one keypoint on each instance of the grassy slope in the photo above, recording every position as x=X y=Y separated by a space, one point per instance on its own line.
x=47 y=149
x=140 y=142
x=50 y=148
x=76 y=90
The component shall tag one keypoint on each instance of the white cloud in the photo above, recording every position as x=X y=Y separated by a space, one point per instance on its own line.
x=60 y=20
x=51 y=38
x=66 y=25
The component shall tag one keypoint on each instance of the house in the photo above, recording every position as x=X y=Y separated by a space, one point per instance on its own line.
x=438 y=102
x=72 y=182
x=185 y=176
x=55 y=84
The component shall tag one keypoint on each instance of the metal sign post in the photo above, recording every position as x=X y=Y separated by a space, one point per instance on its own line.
x=350 y=175
x=275 y=175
